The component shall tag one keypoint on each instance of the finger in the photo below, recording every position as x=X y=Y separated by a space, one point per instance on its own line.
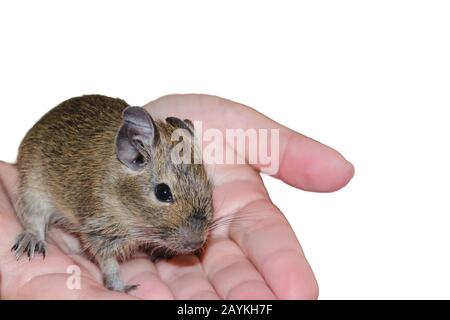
x=229 y=270
x=21 y=278
x=232 y=274
x=39 y=279
x=281 y=262
x=54 y=286
x=263 y=237
x=185 y=277
x=9 y=225
x=8 y=184
x=10 y=228
x=303 y=162
x=142 y=272
x=28 y=279
x=139 y=271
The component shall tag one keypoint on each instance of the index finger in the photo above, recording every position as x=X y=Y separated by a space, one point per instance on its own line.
x=303 y=162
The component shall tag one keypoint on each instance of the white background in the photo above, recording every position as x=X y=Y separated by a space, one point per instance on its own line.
x=369 y=78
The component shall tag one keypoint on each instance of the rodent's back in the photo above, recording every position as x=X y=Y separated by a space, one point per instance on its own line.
x=65 y=152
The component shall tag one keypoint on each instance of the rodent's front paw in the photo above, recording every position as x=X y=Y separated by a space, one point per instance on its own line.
x=29 y=243
x=156 y=255
x=130 y=287
x=114 y=282
x=121 y=288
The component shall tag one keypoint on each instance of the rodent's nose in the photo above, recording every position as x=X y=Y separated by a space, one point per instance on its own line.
x=190 y=239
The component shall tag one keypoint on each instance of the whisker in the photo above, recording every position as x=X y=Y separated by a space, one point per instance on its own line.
x=234 y=218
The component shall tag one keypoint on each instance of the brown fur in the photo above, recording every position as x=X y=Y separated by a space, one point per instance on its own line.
x=68 y=167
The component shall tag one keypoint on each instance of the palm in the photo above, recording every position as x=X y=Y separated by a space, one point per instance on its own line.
x=257 y=256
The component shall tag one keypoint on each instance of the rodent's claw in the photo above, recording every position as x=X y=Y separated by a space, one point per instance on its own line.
x=156 y=255
x=40 y=248
x=30 y=244
x=119 y=287
x=155 y=258
x=30 y=251
x=15 y=246
x=131 y=287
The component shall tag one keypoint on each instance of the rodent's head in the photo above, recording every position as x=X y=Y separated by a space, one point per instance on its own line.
x=170 y=202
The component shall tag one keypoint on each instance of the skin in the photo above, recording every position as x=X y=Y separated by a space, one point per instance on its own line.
x=238 y=263
x=91 y=175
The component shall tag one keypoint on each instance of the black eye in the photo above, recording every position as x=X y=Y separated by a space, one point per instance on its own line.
x=163 y=193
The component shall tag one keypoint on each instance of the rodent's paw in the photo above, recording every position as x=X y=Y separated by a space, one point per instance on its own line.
x=130 y=287
x=29 y=243
x=158 y=255
x=118 y=287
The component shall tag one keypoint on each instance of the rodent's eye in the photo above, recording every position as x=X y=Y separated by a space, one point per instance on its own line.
x=163 y=193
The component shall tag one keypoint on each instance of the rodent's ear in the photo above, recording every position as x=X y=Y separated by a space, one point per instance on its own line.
x=186 y=124
x=136 y=137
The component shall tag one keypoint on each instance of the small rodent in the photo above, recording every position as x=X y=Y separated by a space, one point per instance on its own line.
x=102 y=170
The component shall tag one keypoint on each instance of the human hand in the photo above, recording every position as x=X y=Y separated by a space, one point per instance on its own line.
x=256 y=256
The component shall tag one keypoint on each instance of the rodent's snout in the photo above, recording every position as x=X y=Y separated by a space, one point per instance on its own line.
x=193 y=234
x=191 y=240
